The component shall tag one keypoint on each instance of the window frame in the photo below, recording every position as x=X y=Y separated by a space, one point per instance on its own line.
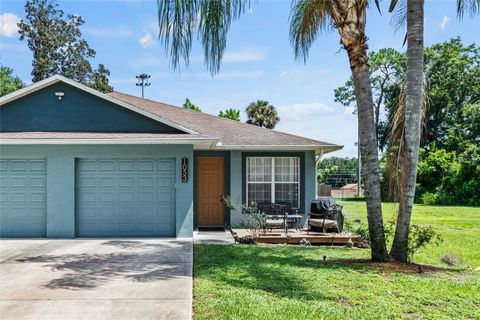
x=273 y=181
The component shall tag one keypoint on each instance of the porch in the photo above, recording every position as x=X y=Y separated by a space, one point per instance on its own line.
x=294 y=236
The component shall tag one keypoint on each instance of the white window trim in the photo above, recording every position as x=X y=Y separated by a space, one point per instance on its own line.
x=273 y=182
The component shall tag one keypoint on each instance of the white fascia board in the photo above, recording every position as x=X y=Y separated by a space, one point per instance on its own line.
x=317 y=148
x=205 y=142
x=57 y=78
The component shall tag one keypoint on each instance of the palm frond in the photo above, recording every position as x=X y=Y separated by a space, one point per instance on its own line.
x=216 y=17
x=307 y=18
x=179 y=20
x=176 y=23
x=397 y=157
x=467 y=6
x=399 y=18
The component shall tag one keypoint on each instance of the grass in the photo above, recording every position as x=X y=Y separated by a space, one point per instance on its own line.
x=292 y=282
x=458 y=226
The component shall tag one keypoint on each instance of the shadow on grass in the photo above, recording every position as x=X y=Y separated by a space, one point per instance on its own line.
x=143 y=262
x=284 y=271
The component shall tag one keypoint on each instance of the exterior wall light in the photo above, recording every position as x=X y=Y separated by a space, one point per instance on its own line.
x=59 y=95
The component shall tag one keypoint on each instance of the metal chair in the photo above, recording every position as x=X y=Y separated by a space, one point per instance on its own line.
x=331 y=219
x=276 y=217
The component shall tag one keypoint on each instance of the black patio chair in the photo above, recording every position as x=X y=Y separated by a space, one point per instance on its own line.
x=290 y=211
x=331 y=219
x=276 y=217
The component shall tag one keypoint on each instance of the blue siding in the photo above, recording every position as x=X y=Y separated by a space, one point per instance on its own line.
x=60 y=179
x=78 y=111
x=307 y=182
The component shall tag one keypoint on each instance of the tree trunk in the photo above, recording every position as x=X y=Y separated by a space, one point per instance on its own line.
x=350 y=18
x=413 y=110
x=369 y=152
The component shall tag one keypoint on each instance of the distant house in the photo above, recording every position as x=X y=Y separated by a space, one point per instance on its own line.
x=350 y=189
x=79 y=163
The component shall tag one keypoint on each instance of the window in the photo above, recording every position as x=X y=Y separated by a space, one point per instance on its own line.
x=273 y=180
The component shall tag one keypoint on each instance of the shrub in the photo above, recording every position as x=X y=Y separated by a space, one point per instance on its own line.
x=429 y=198
x=254 y=219
x=248 y=239
x=419 y=237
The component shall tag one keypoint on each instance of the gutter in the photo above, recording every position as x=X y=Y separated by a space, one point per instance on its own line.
x=56 y=141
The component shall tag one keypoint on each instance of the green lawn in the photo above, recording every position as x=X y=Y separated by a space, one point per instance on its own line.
x=291 y=282
x=458 y=226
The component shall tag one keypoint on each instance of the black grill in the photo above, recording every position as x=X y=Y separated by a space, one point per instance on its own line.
x=320 y=205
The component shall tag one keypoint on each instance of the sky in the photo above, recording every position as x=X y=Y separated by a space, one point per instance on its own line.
x=258 y=63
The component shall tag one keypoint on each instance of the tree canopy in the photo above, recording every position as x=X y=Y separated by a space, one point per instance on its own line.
x=190 y=106
x=58 y=47
x=232 y=114
x=9 y=82
x=261 y=113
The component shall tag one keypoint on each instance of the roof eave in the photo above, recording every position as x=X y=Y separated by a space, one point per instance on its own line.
x=317 y=148
x=196 y=142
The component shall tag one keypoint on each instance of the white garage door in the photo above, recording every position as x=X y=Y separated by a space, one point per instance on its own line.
x=125 y=197
x=23 y=185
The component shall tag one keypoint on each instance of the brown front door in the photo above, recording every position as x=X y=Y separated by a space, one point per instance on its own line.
x=210 y=191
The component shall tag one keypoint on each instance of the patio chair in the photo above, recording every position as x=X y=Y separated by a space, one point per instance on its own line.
x=276 y=217
x=331 y=219
x=290 y=211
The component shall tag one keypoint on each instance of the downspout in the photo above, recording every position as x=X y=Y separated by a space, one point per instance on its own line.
x=318 y=158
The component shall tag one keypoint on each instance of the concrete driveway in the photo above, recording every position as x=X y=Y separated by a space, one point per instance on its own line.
x=96 y=279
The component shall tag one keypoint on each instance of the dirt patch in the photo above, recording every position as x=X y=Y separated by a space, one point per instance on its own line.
x=394 y=266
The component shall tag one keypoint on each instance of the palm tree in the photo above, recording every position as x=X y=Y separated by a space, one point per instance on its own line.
x=179 y=20
x=232 y=114
x=262 y=114
x=412 y=115
x=308 y=17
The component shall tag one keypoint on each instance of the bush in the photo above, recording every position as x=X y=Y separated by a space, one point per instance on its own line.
x=254 y=219
x=429 y=198
x=419 y=236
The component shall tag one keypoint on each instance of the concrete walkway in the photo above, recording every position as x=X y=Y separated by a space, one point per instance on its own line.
x=213 y=237
x=96 y=279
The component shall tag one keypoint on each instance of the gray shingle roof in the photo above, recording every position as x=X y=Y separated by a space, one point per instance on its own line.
x=230 y=133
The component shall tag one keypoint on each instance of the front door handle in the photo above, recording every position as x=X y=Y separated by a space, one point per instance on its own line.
x=222 y=197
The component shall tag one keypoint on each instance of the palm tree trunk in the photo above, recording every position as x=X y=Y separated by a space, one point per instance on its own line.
x=369 y=151
x=350 y=17
x=413 y=110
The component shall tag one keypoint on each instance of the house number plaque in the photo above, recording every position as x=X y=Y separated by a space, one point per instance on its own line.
x=184 y=169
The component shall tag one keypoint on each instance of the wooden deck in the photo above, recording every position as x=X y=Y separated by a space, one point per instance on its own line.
x=295 y=236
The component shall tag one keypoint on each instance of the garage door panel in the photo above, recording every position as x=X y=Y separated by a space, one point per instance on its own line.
x=120 y=197
x=23 y=197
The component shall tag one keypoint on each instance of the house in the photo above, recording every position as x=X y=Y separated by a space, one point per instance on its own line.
x=79 y=163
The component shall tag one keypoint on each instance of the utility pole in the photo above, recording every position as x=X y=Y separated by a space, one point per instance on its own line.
x=143 y=81
x=359 y=170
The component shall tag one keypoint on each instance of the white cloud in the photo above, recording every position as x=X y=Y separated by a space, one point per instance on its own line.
x=247 y=54
x=444 y=22
x=115 y=32
x=302 y=111
x=319 y=121
x=302 y=74
x=8 y=24
x=349 y=111
x=147 y=40
x=286 y=75
x=226 y=75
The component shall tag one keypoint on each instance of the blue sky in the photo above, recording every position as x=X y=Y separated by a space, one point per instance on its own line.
x=258 y=63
